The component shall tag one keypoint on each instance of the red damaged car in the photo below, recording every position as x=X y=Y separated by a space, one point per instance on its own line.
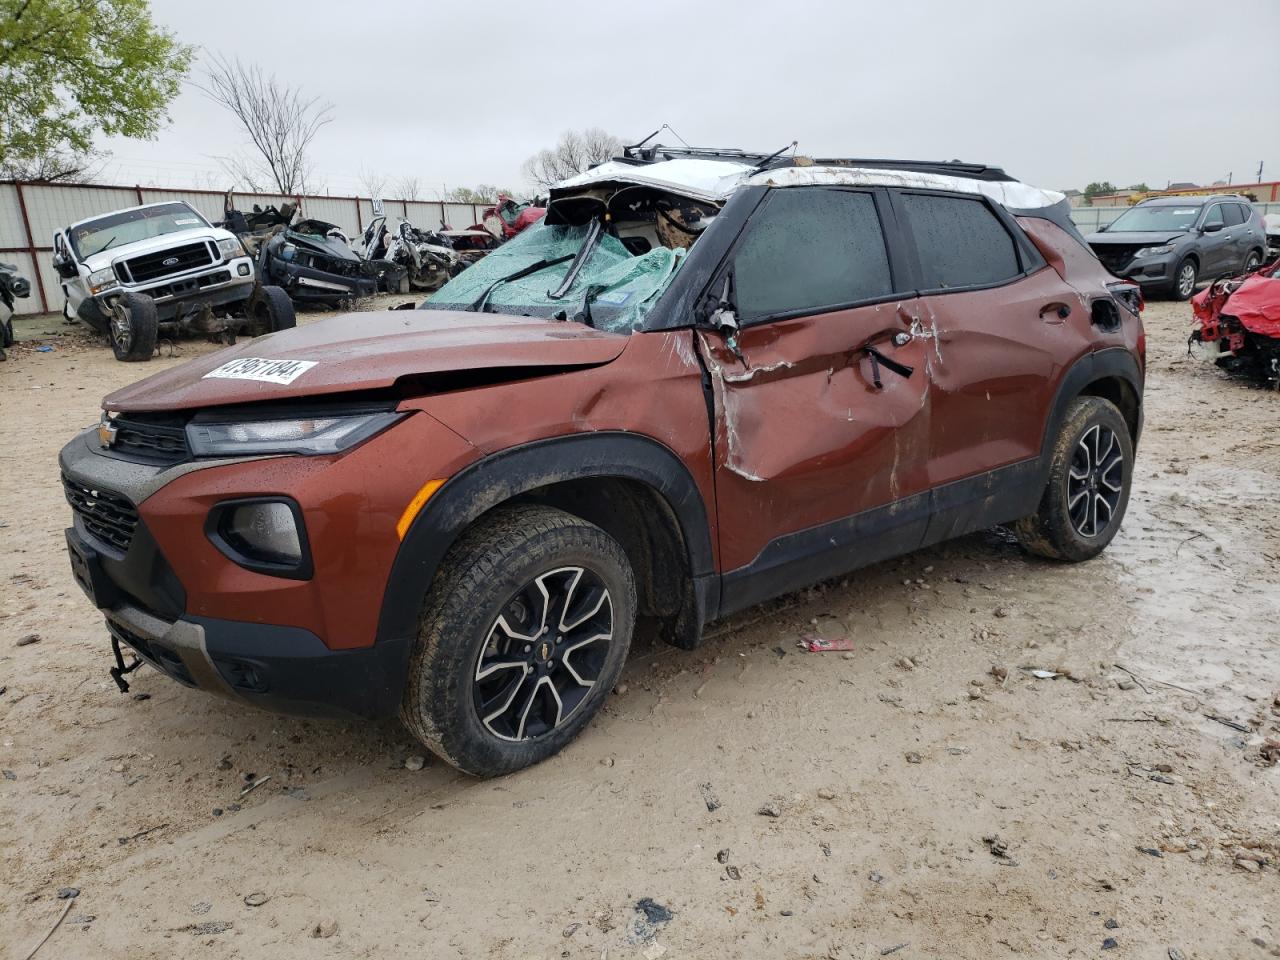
x=703 y=379
x=1238 y=324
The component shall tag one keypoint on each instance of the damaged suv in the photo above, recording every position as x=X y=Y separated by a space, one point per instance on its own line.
x=705 y=379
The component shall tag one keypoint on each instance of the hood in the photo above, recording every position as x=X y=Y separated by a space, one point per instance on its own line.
x=367 y=351
x=314 y=236
x=104 y=258
x=1132 y=238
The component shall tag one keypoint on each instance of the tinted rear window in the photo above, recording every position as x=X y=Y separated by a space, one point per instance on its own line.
x=808 y=249
x=960 y=242
x=1234 y=214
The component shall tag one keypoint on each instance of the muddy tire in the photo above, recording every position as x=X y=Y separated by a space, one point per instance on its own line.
x=271 y=310
x=1085 y=499
x=1184 y=280
x=523 y=634
x=133 y=327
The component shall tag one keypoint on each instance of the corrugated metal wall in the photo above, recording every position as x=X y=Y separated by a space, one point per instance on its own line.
x=31 y=213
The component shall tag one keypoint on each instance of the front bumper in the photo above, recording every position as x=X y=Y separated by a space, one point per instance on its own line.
x=304 y=283
x=1152 y=271
x=217 y=286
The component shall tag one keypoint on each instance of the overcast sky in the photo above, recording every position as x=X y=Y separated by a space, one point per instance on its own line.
x=461 y=93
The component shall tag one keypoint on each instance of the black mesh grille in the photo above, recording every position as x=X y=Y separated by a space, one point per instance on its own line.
x=1115 y=257
x=108 y=516
x=166 y=263
x=143 y=439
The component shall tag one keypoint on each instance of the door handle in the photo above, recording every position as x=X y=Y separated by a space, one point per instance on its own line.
x=1063 y=310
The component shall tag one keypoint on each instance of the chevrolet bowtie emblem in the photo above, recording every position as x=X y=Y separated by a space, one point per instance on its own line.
x=106 y=434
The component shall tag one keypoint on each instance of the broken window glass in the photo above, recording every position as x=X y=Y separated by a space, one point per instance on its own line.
x=810 y=249
x=960 y=242
x=621 y=288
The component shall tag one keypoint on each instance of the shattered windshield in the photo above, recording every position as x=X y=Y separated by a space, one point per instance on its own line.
x=130 y=226
x=616 y=287
x=1156 y=219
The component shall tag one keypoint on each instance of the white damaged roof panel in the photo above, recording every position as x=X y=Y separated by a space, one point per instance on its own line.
x=715 y=180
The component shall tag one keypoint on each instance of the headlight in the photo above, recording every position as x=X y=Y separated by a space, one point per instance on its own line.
x=1155 y=251
x=231 y=248
x=309 y=436
x=101 y=280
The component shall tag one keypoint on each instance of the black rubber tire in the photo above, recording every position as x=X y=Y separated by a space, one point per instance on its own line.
x=1175 y=288
x=1252 y=261
x=6 y=333
x=137 y=342
x=481 y=572
x=1049 y=531
x=272 y=311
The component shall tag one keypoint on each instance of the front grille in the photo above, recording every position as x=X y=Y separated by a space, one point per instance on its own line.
x=144 y=439
x=1115 y=257
x=153 y=266
x=108 y=516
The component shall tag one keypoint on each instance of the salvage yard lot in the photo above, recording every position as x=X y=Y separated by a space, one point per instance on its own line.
x=928 y=791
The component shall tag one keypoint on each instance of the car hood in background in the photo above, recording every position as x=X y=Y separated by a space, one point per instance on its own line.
x=367 y=351
x=1145 y=239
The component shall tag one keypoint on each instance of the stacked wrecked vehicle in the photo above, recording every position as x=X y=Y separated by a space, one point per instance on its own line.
x=1238 y=324
x=162 y=268
x=311 y=260
x=427 y=258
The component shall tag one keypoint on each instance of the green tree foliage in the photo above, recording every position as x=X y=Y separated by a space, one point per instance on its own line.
x=71 y=69
x=1139 y=188
x=1095 y=188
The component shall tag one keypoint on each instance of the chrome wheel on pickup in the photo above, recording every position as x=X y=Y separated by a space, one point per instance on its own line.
x=132 y=327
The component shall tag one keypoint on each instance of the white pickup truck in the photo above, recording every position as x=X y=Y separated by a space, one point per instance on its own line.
x=162 y=266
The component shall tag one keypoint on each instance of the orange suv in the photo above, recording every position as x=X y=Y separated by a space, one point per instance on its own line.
x=704 y=379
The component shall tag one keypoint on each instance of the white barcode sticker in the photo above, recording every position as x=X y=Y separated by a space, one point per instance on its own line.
x=262 y=370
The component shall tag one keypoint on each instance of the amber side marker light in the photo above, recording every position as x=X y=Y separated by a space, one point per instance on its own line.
x=415 y=505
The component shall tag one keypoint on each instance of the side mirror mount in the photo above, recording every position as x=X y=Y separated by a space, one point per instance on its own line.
x=1104 y=228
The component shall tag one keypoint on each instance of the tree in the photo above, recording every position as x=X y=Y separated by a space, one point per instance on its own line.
x=575 y=152
x=483 y=193
x=279 y=120
x=54 y=166
x=1096 y=188
x=409 y=188
x=372 y=183
x=70 y=69
x=1140 y=188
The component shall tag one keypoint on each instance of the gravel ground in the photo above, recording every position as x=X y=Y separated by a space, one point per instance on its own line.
x=922 y=796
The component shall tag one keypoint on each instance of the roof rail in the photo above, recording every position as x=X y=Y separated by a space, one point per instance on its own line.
x=639 y=154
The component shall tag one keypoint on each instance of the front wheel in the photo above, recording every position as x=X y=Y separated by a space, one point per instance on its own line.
x=271 y=310
x=1184 y=280
x=1087 y=493
x=133 y=327
x=523 y=635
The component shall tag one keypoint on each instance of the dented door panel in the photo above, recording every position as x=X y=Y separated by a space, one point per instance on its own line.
x=995 y=357
x=802 y=434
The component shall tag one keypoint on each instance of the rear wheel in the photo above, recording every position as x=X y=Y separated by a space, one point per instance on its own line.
x=133 y=327
x=1085 y=499
x=1252 y=262
x=523 y=635
x=1184 y=279
x=271 y=310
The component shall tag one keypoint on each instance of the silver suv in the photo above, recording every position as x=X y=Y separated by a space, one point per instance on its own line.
x=129 y=273
x=1169 y=244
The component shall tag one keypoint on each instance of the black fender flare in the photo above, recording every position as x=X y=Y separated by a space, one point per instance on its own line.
x=499 y=477
x=1112 y=362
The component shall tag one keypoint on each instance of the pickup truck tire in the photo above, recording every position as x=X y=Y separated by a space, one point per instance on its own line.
x=522 y=637
x=1087 y=493
x=133 y=327
x=272 y=310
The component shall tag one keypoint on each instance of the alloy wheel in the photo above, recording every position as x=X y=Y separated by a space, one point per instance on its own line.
x=121 y=326
x=543 y=654
x=1095 y=481
x=1251 y=263
x=1186 y=280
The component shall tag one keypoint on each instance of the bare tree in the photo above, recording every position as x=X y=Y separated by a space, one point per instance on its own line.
x=575 y=152
x=54 y=166
x=281 y=122
x=373 y=183
x=483 y=193
x=409 y=188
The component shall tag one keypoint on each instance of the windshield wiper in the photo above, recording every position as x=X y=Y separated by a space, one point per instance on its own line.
x=520 y=274
x=588 y=247
x=109 y=242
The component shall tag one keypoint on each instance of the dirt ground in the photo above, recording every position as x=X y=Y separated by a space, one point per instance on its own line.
x=932 y=798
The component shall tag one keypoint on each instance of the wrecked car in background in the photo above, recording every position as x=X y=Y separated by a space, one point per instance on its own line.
x=162 y=268
x=1238 y=324
x=428 y=258
x=311 y=260
x=13 y=287
x=704 y=379
x=499 y=223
